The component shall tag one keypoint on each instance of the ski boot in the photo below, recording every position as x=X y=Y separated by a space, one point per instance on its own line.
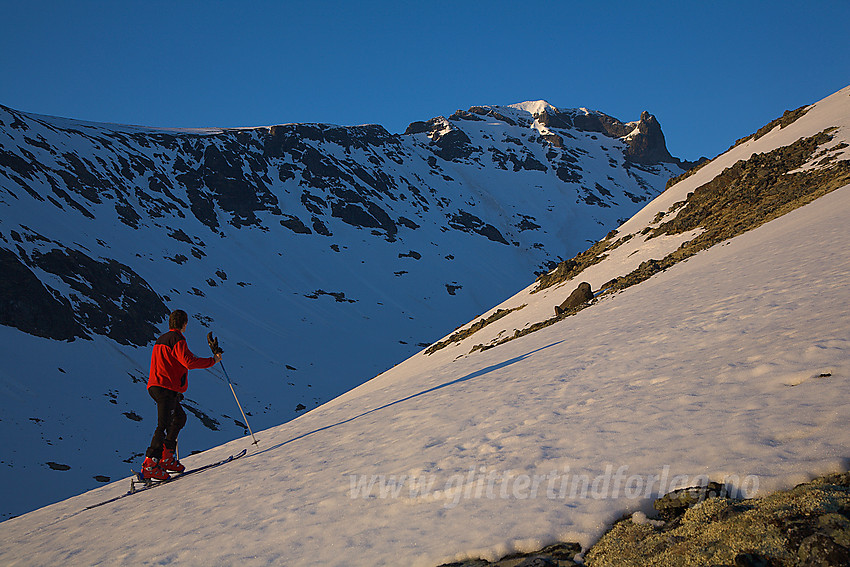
x=152 y=470
x=169 y=462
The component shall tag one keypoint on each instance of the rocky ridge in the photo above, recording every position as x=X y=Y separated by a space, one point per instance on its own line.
x=229 y=179
x=739 y=197
x=808 y=525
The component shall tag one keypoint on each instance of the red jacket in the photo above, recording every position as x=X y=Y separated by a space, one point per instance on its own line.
x=171 y=361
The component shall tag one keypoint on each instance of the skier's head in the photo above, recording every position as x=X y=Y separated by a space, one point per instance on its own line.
x=177 y=319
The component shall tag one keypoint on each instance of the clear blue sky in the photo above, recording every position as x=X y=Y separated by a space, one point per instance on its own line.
x=710 y=71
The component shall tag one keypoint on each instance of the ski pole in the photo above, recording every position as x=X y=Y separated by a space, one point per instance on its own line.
x=213 y=342
x=238 y=404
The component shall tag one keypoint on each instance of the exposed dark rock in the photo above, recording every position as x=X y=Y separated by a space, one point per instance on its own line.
x=752 y=559
x=14 y=162
x=295 y=225
x=820 y=550
x=468 y=222
x=417 y=127
x=807 y=525
x=320 y=228
x=180 y=236
x=494 y=113
x=527 y=223
x=366 y=214
x=79 y=178
x=27 y=305
x=551 y=119
x=471 y=330
x=581 y=294
x=742 y=197
x=602 y=123
x=453 y=288
x=648 y=145
x=447 y=141
x=554 y=140
x=113 y=300
x=404 y=221
x=178 y=258
x=465 y=115
x=755 y=191
x=337 y=295
x=675 y=503
x=242 y=196
x=589 y=197
x=568 y=173
x=312 y=203
x=452 y=146
x=788 y=117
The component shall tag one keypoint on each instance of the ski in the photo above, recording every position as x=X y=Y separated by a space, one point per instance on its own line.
x=139 y=484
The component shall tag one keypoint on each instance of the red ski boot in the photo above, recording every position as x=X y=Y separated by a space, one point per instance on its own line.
x=152 y=470
x=169 y=462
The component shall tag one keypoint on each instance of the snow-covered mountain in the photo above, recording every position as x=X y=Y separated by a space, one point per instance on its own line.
x=715 y=347
x=320 y=255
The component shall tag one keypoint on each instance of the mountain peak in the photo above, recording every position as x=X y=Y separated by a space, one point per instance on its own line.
x=534 y=106
x=644 y=139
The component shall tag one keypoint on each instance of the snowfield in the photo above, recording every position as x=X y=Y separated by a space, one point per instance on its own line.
x=731 y=366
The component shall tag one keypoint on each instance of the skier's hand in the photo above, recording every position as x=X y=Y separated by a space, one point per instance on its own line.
x=217 y=357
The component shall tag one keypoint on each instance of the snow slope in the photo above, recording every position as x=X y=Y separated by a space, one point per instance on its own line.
x=732 y=365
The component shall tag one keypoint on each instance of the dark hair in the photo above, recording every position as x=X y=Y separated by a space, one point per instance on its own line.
x=177 y=319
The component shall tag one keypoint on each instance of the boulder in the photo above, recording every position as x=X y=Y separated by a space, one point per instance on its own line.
x=581 y=294
x=675 y=503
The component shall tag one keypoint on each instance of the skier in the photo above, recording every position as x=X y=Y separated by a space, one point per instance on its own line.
x=171 y=361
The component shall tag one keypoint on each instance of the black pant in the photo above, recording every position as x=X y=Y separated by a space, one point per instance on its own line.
x=170 y=419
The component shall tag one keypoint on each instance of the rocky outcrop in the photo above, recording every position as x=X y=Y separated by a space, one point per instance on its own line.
x=788 y=117
x=808 y=525
x=581 y=294
x=110 y=298
x=645 y=140
x=555 y=555
x=646 y=143
x=27 y=305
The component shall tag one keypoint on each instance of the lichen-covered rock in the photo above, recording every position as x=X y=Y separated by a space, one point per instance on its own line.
x=807 y=525
x=676 y=503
